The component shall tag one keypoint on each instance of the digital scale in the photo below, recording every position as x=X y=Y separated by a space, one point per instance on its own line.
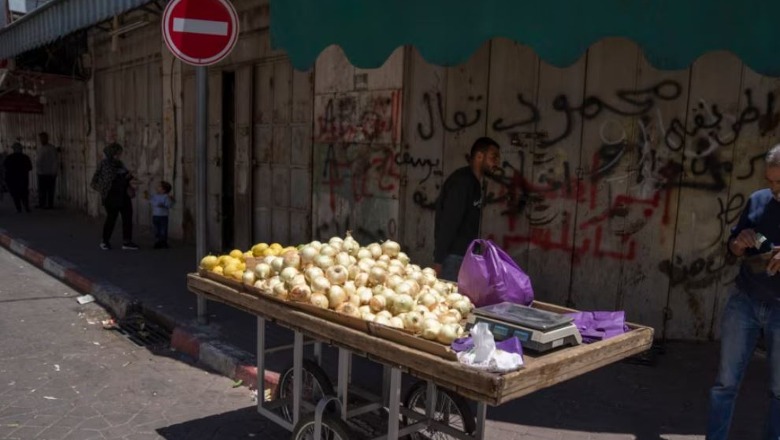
x=537 y=330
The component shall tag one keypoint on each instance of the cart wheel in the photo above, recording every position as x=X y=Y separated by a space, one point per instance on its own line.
x=315 y=383
x=333 y=428
x=451 y=409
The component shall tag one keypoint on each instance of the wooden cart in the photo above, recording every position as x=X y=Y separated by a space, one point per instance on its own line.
x=485 y=388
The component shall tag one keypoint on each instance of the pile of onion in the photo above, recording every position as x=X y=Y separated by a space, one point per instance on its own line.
x=377 y=283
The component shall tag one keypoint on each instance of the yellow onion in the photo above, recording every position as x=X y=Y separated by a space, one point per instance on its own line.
x=319 y=300
x=300 y=293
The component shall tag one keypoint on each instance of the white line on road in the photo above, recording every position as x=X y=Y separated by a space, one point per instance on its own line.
x=205 y=27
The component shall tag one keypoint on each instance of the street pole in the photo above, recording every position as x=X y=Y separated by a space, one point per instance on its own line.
x=201 y=158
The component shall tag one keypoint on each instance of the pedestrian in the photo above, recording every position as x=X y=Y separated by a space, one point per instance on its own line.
x=47 y=165
x=114 y=182
x=17 y=167
x=161 y=204
x=459 y=208
x=753 y=306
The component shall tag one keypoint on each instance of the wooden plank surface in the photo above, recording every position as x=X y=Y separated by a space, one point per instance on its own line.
x=494 y=389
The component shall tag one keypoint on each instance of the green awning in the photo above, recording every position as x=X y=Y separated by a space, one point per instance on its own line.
x=672 y=33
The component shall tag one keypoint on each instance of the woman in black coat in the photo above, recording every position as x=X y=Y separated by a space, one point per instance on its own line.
x=113 y=181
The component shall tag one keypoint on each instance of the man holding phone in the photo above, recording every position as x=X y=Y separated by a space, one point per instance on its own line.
x=753 y=308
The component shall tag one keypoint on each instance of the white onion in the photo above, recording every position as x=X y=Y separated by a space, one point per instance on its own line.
x=430 y=329
x=363 y=253
x=463 y=306
x=292 y=258
x=442 y=288
x=262 y=285
x=365 y=294
x=277 y=264
x=416 y=276
x=452 y=298
x=328 y=250
x=319 y=300
x=353 y=271
x=280 y=291
x=320 y=284
x=411 y=268
x=365 y=266
x=428 y=279
x=393 y=281
x=308 y=253
x=336 y=296
x=336 y=242
x=395 y=269
x=367 y=316
x=248 y=278
x=415 y=287
x=402 y=303
x=350 y=245
x=375 y=249
x=273 y=281
x=378 y=303
x=403 y=258
x=385 y=313
x=354 y=299
x=348 y=309
x=300 y=293
x=384 y=258
x=323 y=261
x=396 y=322
x=382 y=319
x=391 y=248
x=288 y=273
x=337 y=274
x=413 y=321
x=316 y=245
x=382 y=265
x=262 y=271
x=427 y=300
x=365 y=308
x=313 y=272
x=361 y=279
x=350 y=288
x=429 y=271
x=422 y=309
x=451 y=316
x=377 y=276
x=298 y=280
x=449 y=333
x=404 y=289
x=342 y=258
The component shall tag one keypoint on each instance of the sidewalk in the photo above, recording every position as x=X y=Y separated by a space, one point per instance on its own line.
x=621 y=401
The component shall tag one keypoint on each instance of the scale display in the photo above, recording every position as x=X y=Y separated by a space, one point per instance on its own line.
x=537 y=330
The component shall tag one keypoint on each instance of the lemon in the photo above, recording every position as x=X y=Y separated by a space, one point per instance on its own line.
x=209 y=262
x=269 y=252
x=238 y=275
x=224 y=259
x=248 y=254
x=258 y=249
x=236 y=253
x=218 y=270
x=276 y=246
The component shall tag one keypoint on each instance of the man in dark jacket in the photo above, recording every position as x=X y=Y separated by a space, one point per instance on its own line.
x=17 y=167
x=459 y=208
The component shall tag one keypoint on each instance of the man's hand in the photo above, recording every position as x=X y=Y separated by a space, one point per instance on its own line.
x=745 y=239
x=437 y=268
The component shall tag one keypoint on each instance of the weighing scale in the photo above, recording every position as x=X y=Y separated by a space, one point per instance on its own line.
x=537 y=330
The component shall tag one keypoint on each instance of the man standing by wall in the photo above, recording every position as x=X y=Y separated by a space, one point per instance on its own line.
x=459 y=208
x=47 y=165
x=753 y=307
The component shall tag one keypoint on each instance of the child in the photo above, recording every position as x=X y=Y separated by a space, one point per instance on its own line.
x=161 y=205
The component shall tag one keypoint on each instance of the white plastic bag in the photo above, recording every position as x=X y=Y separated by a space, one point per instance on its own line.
x=485 y=356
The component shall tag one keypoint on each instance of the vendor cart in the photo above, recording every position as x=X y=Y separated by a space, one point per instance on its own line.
x=307 y=404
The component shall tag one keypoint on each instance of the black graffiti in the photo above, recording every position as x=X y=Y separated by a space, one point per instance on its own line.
x=459 y=117
x=728 y=212
x=498 y=124
x=752 y=171
x=707 y=269
x=408 y=159
x=642 y=100
x=421 y=200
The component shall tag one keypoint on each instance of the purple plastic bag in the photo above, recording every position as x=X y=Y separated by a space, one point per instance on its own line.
x=493 y=277
x=597 y=326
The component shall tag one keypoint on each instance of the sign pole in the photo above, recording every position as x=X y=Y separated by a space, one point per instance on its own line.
x=201 y=158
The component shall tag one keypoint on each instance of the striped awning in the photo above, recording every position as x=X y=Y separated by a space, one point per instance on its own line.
x=672 y=33
x=57 y=19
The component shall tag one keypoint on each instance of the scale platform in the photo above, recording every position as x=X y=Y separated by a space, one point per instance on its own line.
x=537 y=330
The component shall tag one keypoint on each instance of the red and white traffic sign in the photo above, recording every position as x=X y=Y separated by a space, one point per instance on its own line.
x=200 y=32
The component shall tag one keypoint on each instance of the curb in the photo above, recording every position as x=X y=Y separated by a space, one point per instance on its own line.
x=195 y=342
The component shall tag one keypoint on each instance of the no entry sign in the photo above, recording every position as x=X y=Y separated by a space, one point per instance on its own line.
x=200 y=32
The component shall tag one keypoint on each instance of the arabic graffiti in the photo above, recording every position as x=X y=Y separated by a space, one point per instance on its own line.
x=358 y=117
x=631 y=177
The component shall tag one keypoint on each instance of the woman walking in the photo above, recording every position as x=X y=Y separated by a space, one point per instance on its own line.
x=113 y=181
